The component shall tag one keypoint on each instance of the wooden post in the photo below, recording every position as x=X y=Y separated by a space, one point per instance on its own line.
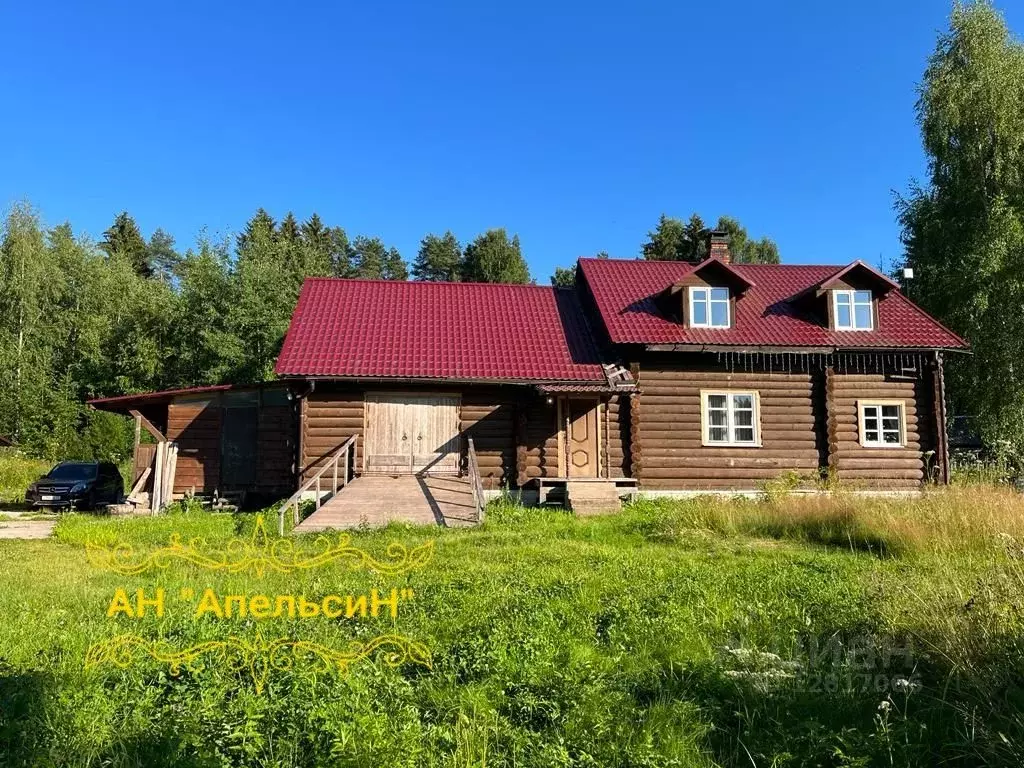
x=172 y=466
x=520 y=443
x=158 y=474
x=138 y=439
x=349 y=452
x=831 y=418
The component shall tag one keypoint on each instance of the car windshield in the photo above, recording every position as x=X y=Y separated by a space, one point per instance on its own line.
x=72 y=472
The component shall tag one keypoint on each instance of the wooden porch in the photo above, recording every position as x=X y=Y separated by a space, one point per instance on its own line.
x=343 y=501
x=374 y=501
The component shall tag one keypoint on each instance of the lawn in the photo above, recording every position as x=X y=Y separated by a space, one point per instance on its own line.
x=834 y=631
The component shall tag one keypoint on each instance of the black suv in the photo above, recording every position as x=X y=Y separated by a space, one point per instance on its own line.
x=79 y=484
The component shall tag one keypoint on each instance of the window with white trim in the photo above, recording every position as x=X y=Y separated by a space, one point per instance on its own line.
x=709 y=307
x=730 y=418
x=882 y=424
x=852 y=310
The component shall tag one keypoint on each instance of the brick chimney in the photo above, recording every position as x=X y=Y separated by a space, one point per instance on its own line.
x=720 y=246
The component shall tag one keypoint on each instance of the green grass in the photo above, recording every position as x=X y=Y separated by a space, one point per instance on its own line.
x=696 y=633
x=16 y=472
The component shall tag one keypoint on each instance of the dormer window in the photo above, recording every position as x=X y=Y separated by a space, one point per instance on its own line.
x=709 y=307
x=852 y=310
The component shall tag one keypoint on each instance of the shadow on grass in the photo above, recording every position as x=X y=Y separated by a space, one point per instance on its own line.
x=28 y=738
x=897 y=706
x=843 y=530
x=25 y=738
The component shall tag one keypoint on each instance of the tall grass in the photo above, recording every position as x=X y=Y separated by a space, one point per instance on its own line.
x=16 y=472
x=950 y=520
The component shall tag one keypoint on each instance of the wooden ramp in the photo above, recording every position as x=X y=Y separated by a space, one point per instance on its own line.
x=375 y=501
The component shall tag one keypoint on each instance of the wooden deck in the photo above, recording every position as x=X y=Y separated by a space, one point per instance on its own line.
x=375 y=501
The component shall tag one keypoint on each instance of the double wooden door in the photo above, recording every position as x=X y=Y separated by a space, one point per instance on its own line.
x=409 y=434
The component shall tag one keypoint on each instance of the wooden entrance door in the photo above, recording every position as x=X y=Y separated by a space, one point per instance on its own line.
x=411 y=434
x=581 y=438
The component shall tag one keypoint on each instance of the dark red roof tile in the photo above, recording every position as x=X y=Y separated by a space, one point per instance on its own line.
x=464 y=331
x=625 y=291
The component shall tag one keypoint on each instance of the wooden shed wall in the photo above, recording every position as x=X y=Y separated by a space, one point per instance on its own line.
x=666 y=429
x=194 y=424
x=878 y=467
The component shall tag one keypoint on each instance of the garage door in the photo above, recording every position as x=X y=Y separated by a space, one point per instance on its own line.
x=408 y=434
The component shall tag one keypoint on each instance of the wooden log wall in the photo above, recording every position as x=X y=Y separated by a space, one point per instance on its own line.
x=895 y=468
x=490 y=420
x=330 y=415
x=667 y=429
x=616 y=442
x=541 y=438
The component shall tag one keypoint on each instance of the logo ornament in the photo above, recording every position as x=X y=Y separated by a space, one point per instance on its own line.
x=258 y=554
x=258 y=656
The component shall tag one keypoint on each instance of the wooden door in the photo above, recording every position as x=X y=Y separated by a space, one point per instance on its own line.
x=412 y=433
x=435 y=434
x=388 y=449
x=581 y=438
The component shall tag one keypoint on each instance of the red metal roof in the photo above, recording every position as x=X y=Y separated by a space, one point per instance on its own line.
x=463 y=331
x=625 y=291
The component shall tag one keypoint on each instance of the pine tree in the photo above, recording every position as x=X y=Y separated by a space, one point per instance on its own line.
x=162 y=257
x=315 y=248
x=372 y=260
x=341 y=254
x=264 y=297
x=124 y=238
x=439 y=258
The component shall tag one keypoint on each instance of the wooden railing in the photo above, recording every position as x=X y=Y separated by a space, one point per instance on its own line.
x=474 y=478
x=341 y=456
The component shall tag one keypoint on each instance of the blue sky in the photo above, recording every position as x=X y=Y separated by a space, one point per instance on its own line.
x=573 y=124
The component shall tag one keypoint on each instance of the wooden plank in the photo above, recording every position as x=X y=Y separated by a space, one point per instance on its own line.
x=139 y=484
x=142 y=420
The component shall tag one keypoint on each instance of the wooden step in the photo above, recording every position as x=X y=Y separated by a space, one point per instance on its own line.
x=592 y=498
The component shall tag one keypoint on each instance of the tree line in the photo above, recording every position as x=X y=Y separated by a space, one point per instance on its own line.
x=82 y=319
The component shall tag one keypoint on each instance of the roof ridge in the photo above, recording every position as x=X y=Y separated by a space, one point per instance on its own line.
x=591 y=259
x=382 y=281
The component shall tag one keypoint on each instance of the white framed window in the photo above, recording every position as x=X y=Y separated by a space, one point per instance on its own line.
x=853 y=310
x=709 y=307
x=730 y=417
x=882 y=423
